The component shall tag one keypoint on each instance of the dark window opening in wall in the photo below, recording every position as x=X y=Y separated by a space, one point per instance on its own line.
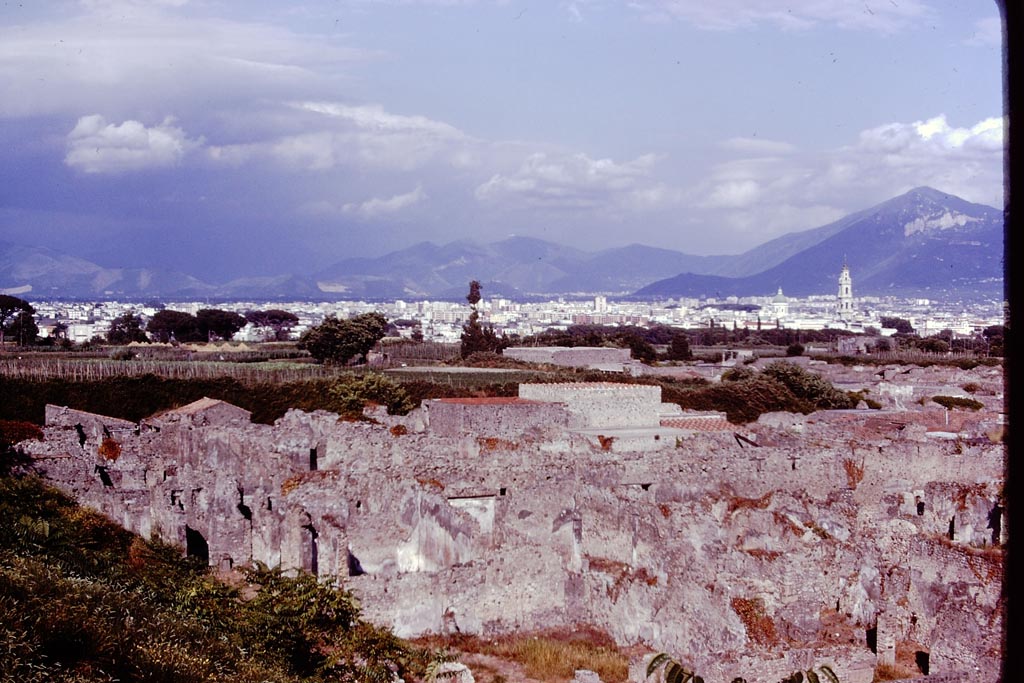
x=104 y=476
x=359 y=504
x=920 y=508
x=311 y=560
x=921 y=659
x=793 y=465
x=871 y=637
x=242 y=507
x=176 y=500
x=354 y=566
x=196 y=546
x=645 y=487
x=270 y=504
x=312 y=459
x=502 y=491
x=81 y=435
x=995 y=522
x=951 y=533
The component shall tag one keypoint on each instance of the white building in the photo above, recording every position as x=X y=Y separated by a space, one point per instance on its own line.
x=780 y=305
x=845 y=297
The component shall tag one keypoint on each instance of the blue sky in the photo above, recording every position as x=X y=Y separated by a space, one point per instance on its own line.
x=224 y=138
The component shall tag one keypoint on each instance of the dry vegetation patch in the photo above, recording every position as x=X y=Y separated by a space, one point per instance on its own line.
x=759 y=625
x=549 y=656
x=854 y=472
x=109 y=449
x=740 y=503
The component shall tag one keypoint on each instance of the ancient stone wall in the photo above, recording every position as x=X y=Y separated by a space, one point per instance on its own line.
x=500 y=418
x=793 y=545
x=601 y=404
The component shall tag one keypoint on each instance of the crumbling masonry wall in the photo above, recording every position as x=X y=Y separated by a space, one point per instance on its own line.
x=788 y=546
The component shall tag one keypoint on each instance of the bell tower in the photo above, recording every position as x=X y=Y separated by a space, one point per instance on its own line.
x=845 y=297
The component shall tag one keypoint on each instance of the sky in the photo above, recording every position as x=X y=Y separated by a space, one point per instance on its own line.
x=228 y=138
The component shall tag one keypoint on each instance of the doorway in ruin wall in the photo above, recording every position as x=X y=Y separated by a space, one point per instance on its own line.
x=310 y=550
x=196 y=546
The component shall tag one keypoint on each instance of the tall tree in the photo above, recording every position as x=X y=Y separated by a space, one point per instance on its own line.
x=177 y=326
x=337 y=341
x=475 y=337
x=125 y=329
x=217 y=324
x=679 y=347
x=23 y=329
x=10 y=308
x=279 y=322
x=901 y=325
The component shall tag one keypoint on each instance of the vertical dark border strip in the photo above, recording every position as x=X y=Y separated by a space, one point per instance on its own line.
x=1013 y=87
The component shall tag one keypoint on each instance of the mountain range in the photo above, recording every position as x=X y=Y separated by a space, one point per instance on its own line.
x=923 y=243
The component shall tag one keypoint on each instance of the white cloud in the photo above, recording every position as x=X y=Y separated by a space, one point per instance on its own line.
x=576 y=181
x=375 y=118
x=372 y=208
x=770 y=194
x=123 y=55
x=123 y=5
x=733 y=194
x=95 y=146
x=364 y=136
x=757 y=146
x=883 y=16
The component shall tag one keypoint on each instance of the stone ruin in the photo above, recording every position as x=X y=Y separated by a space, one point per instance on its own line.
x=852 y=538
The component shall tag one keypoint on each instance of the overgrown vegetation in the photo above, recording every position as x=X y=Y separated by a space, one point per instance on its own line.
x=952 y=402
x=83 y=600
x=743 y=396
x=134 y=398
x=550 y=656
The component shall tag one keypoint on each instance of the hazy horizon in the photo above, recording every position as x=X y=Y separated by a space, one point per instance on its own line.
x=227 y=138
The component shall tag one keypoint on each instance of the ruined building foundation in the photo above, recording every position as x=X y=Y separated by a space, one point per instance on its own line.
x=850 y=538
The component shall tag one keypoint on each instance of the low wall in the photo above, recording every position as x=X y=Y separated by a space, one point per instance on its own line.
x=596 y=405
x=576 y=356
x=504 y=418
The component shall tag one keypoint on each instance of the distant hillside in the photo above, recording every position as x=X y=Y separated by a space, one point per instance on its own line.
x=43 y=272
x=924 y=243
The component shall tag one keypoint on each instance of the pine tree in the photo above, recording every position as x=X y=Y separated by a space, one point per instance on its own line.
x=475 y=337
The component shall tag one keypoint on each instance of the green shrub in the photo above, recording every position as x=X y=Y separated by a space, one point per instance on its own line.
x=738 y=374
x=744 y=401
x=352 y=393
x=808 y=386
x=952 y=402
